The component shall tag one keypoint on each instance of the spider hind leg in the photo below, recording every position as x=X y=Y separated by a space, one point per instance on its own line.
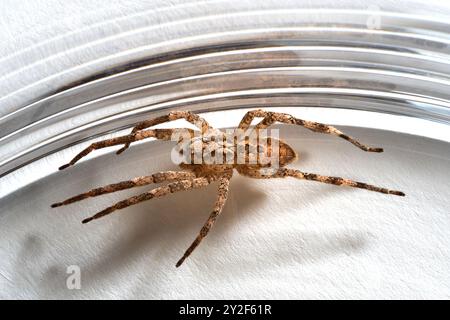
x=338 y=181
x=270 y=118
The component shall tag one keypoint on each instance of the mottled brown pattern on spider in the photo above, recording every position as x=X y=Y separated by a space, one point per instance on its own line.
x=197 y=176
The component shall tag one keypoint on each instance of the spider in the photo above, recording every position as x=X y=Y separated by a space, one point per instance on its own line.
x=194 y=175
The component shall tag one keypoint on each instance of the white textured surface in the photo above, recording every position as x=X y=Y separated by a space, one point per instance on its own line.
x=277 y=239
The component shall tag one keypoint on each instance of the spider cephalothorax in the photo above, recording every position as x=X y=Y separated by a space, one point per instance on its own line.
x=210 y=155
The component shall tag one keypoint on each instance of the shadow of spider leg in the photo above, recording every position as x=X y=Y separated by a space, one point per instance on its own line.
x=136 y=182
x=190 y=117
x=270 y=118
x=284 y=172
x=224 y=183
x=161 y=134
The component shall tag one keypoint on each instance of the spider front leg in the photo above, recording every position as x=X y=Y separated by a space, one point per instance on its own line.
x=136 y=182
x=196 y=120
x=249 y=117
x=218 y=206
x=284 y=172
x=162 y=134
x=159 y=192
x=270 y=118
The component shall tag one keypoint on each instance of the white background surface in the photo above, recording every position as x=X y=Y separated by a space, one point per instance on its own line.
x=277 y=239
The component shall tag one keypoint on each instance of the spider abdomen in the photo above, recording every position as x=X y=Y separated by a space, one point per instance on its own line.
x=231 y=150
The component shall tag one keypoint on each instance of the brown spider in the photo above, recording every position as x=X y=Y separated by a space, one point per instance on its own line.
x=196 y=175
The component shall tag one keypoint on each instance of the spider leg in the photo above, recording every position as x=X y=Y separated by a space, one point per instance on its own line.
x=196 y=120
x=162 y=191
x=220 y=202
x=284 y=172
x=249 y=116
x=162 y=134
x=270 y=118
x=136 y=182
